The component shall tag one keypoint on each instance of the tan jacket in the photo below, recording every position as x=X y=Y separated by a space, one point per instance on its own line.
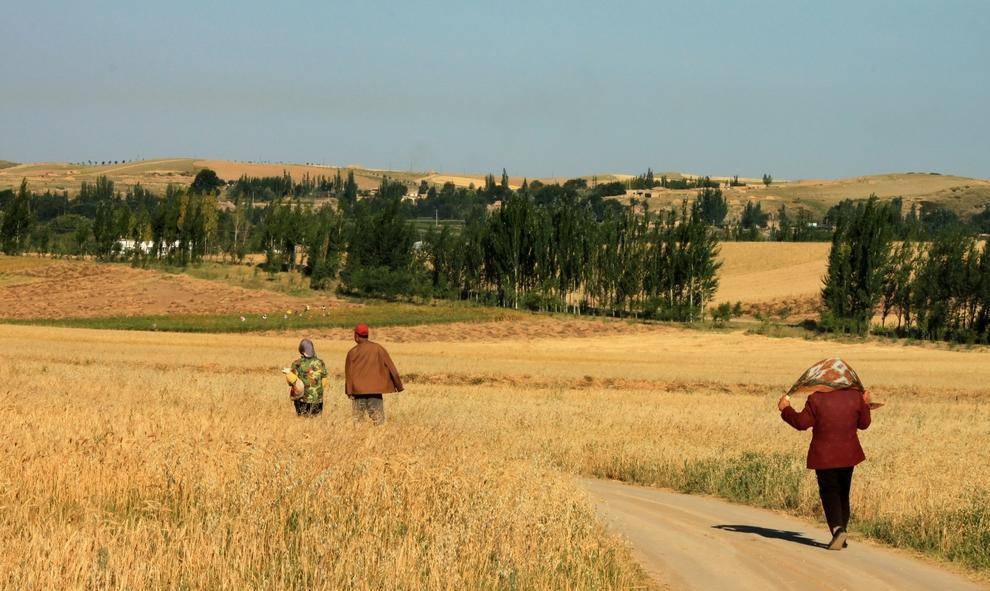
x=369 y=370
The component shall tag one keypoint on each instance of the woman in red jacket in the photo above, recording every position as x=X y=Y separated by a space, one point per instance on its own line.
x=837 y=408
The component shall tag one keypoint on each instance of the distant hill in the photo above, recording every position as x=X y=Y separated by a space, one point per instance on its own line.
x=157 y=174
x=961 y=194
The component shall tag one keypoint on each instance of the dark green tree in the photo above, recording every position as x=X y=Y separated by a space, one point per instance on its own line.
x=857 y=264
x=380 y=252
x=713 y=207
x=349 y=194
x=324 y=247
x=206 y=181
x=753 y=216
x=981 y=220
x=15 y=229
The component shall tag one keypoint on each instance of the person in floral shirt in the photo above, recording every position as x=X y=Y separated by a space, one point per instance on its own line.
x=311 y=371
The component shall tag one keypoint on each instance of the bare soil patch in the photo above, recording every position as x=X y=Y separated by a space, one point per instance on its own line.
x=45 y=288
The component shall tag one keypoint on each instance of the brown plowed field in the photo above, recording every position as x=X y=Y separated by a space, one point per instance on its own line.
x=45 y=288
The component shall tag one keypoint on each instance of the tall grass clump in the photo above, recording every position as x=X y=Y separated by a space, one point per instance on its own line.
x=960 y=534
x=772 y=480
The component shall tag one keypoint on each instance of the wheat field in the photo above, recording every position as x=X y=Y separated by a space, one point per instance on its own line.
x=760 y=272
x=158 y=469
x=138 y=460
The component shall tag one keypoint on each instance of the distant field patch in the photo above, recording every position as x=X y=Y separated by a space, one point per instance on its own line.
x=763 y=272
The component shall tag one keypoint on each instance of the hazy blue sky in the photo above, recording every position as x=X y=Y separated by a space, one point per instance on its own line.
x=799 y=89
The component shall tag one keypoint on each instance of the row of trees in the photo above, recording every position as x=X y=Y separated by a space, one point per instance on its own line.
x=936 y=289
x=178 y=227
x=547 y=248
x=648 y=180
x=267 y=189
x=754 y=223
x=563 y=255
x=550 y=247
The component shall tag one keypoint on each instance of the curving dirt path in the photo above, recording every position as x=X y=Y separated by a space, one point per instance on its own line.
x=694 y=542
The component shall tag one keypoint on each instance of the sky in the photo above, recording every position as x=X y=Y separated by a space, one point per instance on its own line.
x=797 y=89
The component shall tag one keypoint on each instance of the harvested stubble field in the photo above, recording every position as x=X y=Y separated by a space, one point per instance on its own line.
x=163 y=460
x=772 y=275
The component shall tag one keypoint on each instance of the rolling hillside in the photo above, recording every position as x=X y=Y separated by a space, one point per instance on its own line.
x=157 y=174
x=961 y=194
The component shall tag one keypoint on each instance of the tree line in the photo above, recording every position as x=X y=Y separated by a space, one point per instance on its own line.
x=565 y=247
x=648 y=180
x=542 y=247
x=552 y=249
x=178 y=227
x=931 y=286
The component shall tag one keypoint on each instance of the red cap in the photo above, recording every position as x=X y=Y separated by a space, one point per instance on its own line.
x=361 y=330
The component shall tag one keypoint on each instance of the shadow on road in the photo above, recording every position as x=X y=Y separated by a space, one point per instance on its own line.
x=776 y=534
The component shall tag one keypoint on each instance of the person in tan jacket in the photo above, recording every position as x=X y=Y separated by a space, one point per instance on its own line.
x=369 y=373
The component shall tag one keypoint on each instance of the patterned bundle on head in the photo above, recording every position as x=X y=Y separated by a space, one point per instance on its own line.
x=826 y=376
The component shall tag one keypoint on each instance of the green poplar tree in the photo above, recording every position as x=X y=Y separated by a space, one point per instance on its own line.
x=15 y=230
x=324 y=247
x=857 y=264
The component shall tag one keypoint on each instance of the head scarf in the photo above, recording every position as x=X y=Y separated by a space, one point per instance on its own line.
x=306 y=349
x=826 y=376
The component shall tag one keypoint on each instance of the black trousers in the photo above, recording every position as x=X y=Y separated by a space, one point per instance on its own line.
x=308 y=409
x=833 y=488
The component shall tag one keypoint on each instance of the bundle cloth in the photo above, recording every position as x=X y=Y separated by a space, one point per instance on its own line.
x=826 y=376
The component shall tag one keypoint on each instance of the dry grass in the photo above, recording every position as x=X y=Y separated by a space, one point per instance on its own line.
x=925 y=485
x=139 y=459
x=162 y=475
x=58 y=176
x=913 y=187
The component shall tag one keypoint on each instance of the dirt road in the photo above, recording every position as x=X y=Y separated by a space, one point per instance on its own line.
x=693 y=542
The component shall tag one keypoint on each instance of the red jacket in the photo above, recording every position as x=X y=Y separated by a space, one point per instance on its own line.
x=833 y=418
